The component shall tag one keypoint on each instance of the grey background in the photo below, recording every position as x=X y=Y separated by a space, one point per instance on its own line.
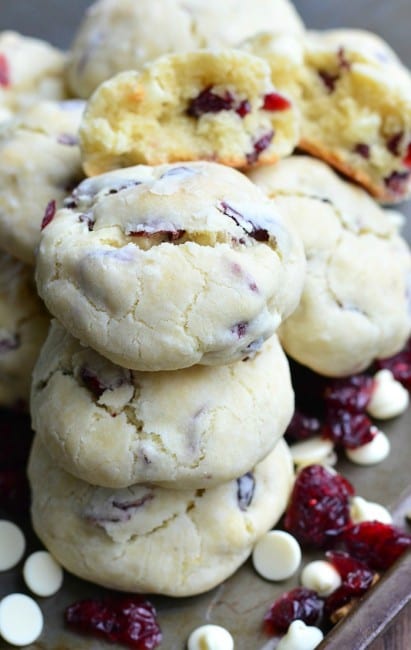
x=57 y=20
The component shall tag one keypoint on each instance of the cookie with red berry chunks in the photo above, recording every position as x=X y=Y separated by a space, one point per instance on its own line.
x=24 y=324
x=202 y=105
x=354 y=95
x=115 y=537
x=355 y=305
x=114 y=427
x=118 y=35
x=160 y=268
x=30 y=70
x=39 y=165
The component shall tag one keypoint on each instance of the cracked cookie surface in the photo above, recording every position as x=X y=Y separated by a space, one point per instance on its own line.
x=116 y=537
x=39 y=164
x=118 y=35
x=196 y=427
x=162 y=268
x=355 y=305
x=23 y=329
x=203 y=105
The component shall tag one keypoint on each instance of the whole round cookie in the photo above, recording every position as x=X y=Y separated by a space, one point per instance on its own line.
x=115 y=538
x=355 y=305
x=202 y=105
x=118 y=35
x=196 y=427
x=30 y=70
x=354 y=95
x=160 y=268
x=39 y=165
x=23 y=329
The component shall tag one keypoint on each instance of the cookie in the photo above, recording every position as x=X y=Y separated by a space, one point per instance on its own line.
x=23 y=329
x=309 y=177
x=190 y=428
x=118 y=35
x=160 y=268
x=203 y=105
x=116 y=538
x=355 y=100
x=355 y=305
x=39 y=165
x=30 y=70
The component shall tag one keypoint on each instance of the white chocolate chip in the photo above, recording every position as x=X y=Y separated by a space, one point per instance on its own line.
x=21 y=619
x=371 y=453
x=210 y=637
x=12 y=545
x=301 y=637
x=277 y=555
x=362 y=510
x=389 y=398
x=320 y=576
x=316 y=450
x=42 y=574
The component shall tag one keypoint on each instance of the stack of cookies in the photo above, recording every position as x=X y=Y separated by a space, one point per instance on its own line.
x=162 y=393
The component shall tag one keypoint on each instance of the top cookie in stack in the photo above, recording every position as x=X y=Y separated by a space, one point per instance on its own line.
x=159 y=268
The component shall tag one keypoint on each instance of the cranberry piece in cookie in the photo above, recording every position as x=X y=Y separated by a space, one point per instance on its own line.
x=4 y=71
x=219 y=106
x=341 y=79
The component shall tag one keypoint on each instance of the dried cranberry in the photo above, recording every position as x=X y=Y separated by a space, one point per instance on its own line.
x=49 y=213
x=349 y=393
x=376 y=544
x=397 y=182
x=244 y=108
x=329 y=80
x=68 y=139
x=302 y=426
x=259 y=146
x=245 y=490
x=356 y=579
x=86 y=218
x=250 y=225
x=240 y=329
x=407 y=158
x=8 y=343
x=276 y=102
x=209 y=102
x=362 y=150
x=343 y=62
x=347 y=429
x=299 y=603
x=394 y=143
x=130 y=620
x=319 y=507
x=399 y=364
x=4 y=71
x=92 y=382
x=166 y=234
